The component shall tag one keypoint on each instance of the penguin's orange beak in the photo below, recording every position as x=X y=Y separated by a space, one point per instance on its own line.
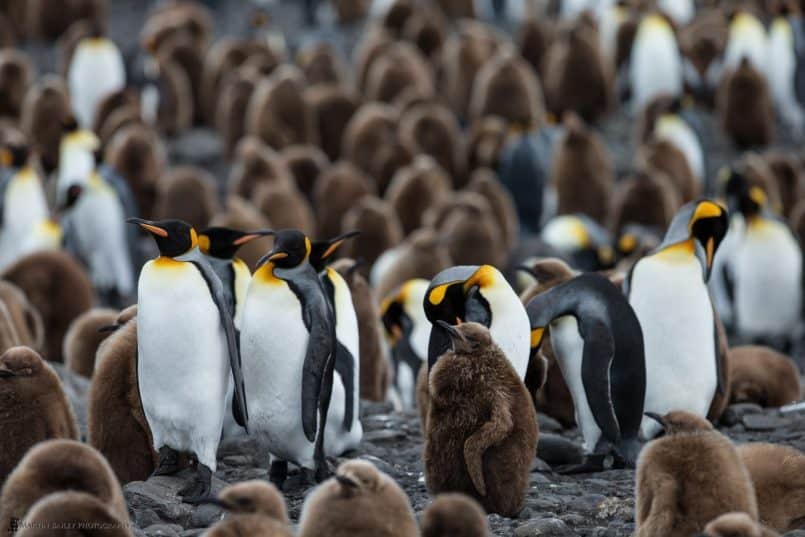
x=251 y=236
x=148 y=226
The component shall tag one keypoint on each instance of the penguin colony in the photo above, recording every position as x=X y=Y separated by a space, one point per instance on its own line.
x=435 y=220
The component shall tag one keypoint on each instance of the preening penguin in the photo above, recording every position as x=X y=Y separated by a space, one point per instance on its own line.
x=598 y=343
x=288 y=342
x=184 y=398
x=656 y=63
x=674 y=471
x=454 y=515
x=33 y=406
x=668 y=291
x=481 y=295
x=481 y=430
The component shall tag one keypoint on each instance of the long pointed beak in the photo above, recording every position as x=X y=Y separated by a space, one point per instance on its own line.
x=709 y=251
x=346 y=481
x=271 y=256
x=108 y=328
x=7 y=373
x=656 y=417
x=451 y=330
x=148 y=226
x=253 y=235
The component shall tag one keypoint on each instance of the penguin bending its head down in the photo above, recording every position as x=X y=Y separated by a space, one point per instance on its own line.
x=454 y=515
x=673 y=471
x=668 y=291
x=33 y=406
x=481 y=431
x=288 y=342
x=359 y=501
x=184 y=409
x=598 y=343
x=255 y=508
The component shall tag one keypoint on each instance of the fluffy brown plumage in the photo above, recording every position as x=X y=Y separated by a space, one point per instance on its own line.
x=60 y=513
x=745 y=108
x=689 y=477
x=379 y=226
x=721 y=400
x=56 y=466
x=484 y=182
x=763 y=376
x=110 y=104
x=788 y=174
x=284 y=206
x=336 y=191
x=26 y=320
x=306 y=163
x=454 y=515
x=350 y=11
x=49 y=19
x=116 y=421
x=533 y=41
x=255 y=507
x=137 y=154
x=277 y=112
x=321 y=64
x=45 y=107
x=187 y=193
x=415 y=189
x=736 y=525
x=664 y=156
x=230 y=110
x=360 y=501
x=427 y=29
x=778 y=474
x=16 y=75
x=58 y=288
x=33 y=407
x=507 y=87
x=83 y=338
x=481 y=427
x=432 y=129
x=485 y=142
x=332 y=108
x=255 y=163
x=647 y=198
x=398 y=69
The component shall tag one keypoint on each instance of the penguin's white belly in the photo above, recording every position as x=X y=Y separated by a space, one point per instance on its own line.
x=780 y=71
x=768 y=281
x=274 y=339
x=96 y=70
x=183 y=365
x=656 y=68
x=510 y=328
x=406 y=381
x=569 y=349
x=24 y=207
x=675 y=313
x=336 y=439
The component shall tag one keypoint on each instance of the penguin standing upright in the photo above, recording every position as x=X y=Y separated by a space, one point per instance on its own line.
x=746 y=39
x=182 y=314
x=781 y=69
x=598 y=344
x=288 y=340
x=668 y=291
x=656 y=63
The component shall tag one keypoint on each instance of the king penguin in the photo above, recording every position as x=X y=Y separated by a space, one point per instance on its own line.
x=478 y=294
x=781 y=70
x=668 y=291
x=288 y=340
x=656 y=63
x=408 y=331
x=182 y=314
x=598 y=344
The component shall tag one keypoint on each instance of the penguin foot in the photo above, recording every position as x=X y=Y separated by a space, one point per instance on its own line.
x=591 y=464
x=168 y=462
x=278 y=473
x=199 y=490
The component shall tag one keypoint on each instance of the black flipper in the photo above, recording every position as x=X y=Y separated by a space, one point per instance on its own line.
x=345 y=366
x=721 y=385
x=317 y=362
x=239 y=409
x=598 y=347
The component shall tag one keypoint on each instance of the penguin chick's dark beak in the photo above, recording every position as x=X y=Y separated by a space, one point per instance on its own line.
x=656 y=417
x=455 y=335
x=271 y=256
x=7 y=373
x=108 y=328
x=347 y=482
x=526 y=269
x=148 y=226
x=251 y=236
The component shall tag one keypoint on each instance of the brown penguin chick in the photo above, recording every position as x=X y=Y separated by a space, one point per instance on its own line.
x=350 y=11
x=241 y=215
x=376 y=39
x=138 y=155
x=745 y=108
x=255 y=163
x=16 y=75
x=533 y=41
x=763 y=376
x=332 y=108
x=182 y=51
x=647 y=197
x=45 y=108
x=736 y=525
x=507 y=87
x=432 y=129
x=57 y=513
x=277 y=112
x=673 y=471
x=58 y=288
x=787 y=173
x=379 y=226
x=174 y=113
x=255 y=508
x=427 y=29
x=321 y=64
x=422 y=399
x=374 y=366
x=458 y=9
x=177 y=17
x=359 y=501
x=400 y=67
x=229 y=115
x=116 y=422
x=8 y=39
x=49 y=19
x=481 y=428
x=778 y=473
x=113 y=102
x=306 y=163
x=336 y=191
x=704 y=40
x=470 y=231
x=582 y=171
x=33 y=407
x=58 y=466
x=395 y=16
x=454 y=515
x=664 y=156
x=797 y=220
x=463 y=55
x=720 y=399
x=370 y=142
x=576 y=76
x=118 y=120
x=417 y=188
x=68 y=42
x=83 y=339
x=285 y=207
x=8 y=334
x=25 y=319
x=485 y=142
x=187 y=193
x=484 y=182
x=421 y=255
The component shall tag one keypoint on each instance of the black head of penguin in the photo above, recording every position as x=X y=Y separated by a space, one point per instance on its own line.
x=321 y=252
x=223 y=242
x=173 y=237
x=705 y=223
x=291 y=249
x=14 y=156
x=742 y=196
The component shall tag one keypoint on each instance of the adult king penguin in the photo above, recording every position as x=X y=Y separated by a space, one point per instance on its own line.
x=182 y=314
x=668 y=291
x=287 y=339
x=656 y=63
x=478 y=294
x=599 y=348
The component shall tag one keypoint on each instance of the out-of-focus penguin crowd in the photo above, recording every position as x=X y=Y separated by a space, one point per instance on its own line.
x=401 y=268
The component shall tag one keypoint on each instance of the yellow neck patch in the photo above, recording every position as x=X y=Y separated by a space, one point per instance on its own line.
x=678 y=252
x=484 y=277
x=265 y=274
x=204 y=244
x=164 y=262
